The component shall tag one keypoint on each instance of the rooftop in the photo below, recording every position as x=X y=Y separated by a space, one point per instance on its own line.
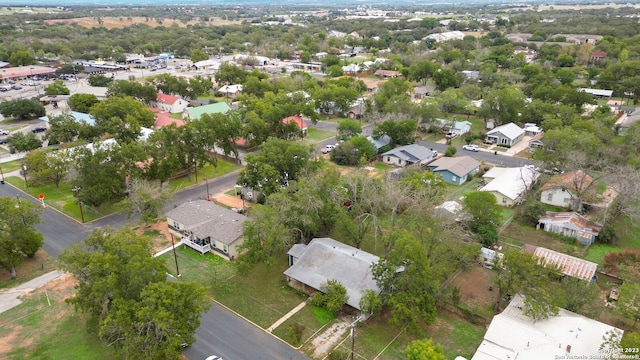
x=206 y=218
x=569 y=265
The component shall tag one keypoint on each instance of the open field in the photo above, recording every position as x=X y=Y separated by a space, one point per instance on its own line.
x=122 y=22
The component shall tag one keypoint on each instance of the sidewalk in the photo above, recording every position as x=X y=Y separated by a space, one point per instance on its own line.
x=286 y=316
x=9 y=298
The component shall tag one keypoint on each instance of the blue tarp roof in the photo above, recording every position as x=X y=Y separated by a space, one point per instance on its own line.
x=77 y=116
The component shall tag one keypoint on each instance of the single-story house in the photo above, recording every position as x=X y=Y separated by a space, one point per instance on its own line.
x=531 y=129
x=194 y=113
x=535 y=143
x=570 y=224
x=506 y=135
x=458 y=128
x=326 y=259
x=455 y=170
x=164 y=119
x=598 y=93
x=169 y=103
x=448 y=210
x=207 y=227
x=211 y=66
x=407 y=155
x=379 y=142
x=514 y=336
x=231 y=91
x=488 y=257
x=356 y=109
x=421 y=92
x=576 y=190
x=509 y=185
x=301 y=124
x=386 y=74
x=567 y=264
x=471 y=74
x=78 y=117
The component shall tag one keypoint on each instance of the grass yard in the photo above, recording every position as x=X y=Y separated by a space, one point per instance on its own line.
x=629 y=234
x=454 y=192
x=11 y=166
x=206 y=270
x=40 y=264
x=261 y=296
x=317 y=135
x=517 y=233
x=45 y=327
x=224 y=167
x=177 y=116
x=382 y=167
x=310 y=317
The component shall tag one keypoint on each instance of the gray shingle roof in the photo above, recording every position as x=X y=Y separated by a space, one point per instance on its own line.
x=411 y=153
x=205 y=218
x=459 y=166
x=326 y=259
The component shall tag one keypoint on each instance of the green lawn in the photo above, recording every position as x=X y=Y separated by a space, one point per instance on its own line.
x=177 y=116
x=11 y=166
x=309 y=317
x=454 y=192
x=208 y=172
x=318 y=134
x=629 y=238
x=204 y=269
x=382 y=167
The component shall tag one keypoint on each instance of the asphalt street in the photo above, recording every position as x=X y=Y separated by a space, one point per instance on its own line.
x=220 y=333
x=488 y=157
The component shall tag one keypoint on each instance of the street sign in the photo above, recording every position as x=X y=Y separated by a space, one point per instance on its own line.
x=41 y=196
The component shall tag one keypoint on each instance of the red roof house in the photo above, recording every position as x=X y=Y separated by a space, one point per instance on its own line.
x=299 y=122
x=169 y=103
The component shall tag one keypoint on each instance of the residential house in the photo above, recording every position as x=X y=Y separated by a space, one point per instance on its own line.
x=351 y=69
x=457 y=128
x=531 y=129
x=325 y=259
x=379 y=142
x=357 y=109
x=535 y=143
x=207 y=227
x=506 y=135
x=597 y=56
x=448 y=210
x=208 y=66
x=408 y=155
x=301 y=124
x=568 y=265
x=471 y=74
x=598 y=93
x=514 y=336
x=169 y=103
x=570 y=224
x=421 y=92
x=576 y=190
x=230 y=91
x=509 y=185
x=194 y=113
x=386 y=74
x=529 y=54
x=371 y=84
x=446 y=36
x=163 y=119
x=455 y=170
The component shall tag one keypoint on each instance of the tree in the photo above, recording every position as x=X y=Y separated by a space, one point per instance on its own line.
x=370 y=303
x=578 y=293
x=332 y=296
x=142 y=92
x=227 y=129
x=503 y=104
x=485 y=213
x=424 y=350
x=122 y=117
x=146 y=200
x=565 y=76
x=99 y=80
x=628 y=305
x=278 y=162
x=82 y=102
x=198 y=55
x=22 y=142
x=451 y=151
x=57 y=88
x=18 y=236
x=389 y=90
x=348 y=128
x=400 y=132
x=445 y=78
x=123 y=290
x=566 y=60
x=100 y=175
x=70 y=69
x=63 y=128
x=22 y=109
x=45 y=168
x=21 y=58
x=231 y=74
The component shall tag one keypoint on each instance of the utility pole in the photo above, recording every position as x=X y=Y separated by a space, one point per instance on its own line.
x=175 y=256
x=207 y=182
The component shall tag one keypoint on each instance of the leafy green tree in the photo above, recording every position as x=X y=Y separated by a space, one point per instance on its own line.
x=451 y=151
x=628 y=305
x=348 y=128
x=57 y=88
x=45 y=168
x=278 y=162
x=123 y=290
x=445 y=78
x=18 y=235
x=63 y=128
x=21 y=58
x=227 y=129
x=122 y=88
x=422 y=70
x=565 y=76
x=370 y=303
x=485 y=213
x=578 y=294
x=451 y=101
x=424 y=350
x=630 y=342
x=331 y=297
x=334 y=71
x=24 y=142
x=99 y=80
x=70 y=69
x=22 y=109
x=122 y=117
x=503 y=104
x=566 y=60
x=82 y=102
x=229 y=74
x=100 y=175
x=400 y=132
x=389 y=90
x=146 y=200
x=198 y=55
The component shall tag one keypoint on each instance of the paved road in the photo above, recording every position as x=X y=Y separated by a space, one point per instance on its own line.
x=224 y=334
x=489 y=157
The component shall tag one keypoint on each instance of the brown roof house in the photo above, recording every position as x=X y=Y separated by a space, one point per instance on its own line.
x=386 y=74
x=326 y=259
x=570 y=224
x=207 y=227
x=577 y=191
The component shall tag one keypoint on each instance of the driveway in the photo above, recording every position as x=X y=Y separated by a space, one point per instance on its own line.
x=225 y=334
x=486 y=156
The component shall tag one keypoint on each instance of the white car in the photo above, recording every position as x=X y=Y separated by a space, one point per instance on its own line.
x=327 y=149
x=4 y=132
x=214 y=357
x=471 y=148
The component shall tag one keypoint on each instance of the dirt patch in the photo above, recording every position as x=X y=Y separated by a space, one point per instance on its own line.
x=230 y=201
x=474 y=286
x=122 y=22
x=326 y=341
x=159 y=232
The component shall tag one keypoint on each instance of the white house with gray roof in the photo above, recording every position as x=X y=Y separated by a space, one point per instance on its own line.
x=326 y=259
x=506 y=135
x=408 y=155
x=207 y=227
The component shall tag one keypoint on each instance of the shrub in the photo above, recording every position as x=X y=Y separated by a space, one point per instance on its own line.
x=295 y=332
x=532 y=211
x=451 y=151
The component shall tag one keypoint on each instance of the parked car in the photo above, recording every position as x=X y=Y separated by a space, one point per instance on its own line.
x=5 y=88
x=451 y=135
x=471 y=148
x=38 y=130
x=213 y=357
x=4 y=132
x=3 y=141
x=16 y=87
x=327 y=149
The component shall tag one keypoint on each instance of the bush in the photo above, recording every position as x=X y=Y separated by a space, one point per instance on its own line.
x=532 y=211
x=488 y=234
x=451 y=151
x=332 y=297
x=608 y=235
x=295 y=332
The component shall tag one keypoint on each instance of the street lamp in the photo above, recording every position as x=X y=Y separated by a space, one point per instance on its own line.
x=24 y=173
x=75 y=192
